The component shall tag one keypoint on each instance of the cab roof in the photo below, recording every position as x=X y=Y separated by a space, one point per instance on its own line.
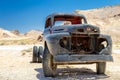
x=65 y=14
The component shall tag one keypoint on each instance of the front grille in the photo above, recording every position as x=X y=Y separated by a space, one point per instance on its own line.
x=79 y=35
x=80 y=30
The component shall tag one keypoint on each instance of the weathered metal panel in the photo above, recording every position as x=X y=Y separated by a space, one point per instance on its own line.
x=83 y=58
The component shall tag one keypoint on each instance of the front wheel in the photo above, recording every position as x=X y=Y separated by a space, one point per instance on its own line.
x=49 y=68
x=101 y=66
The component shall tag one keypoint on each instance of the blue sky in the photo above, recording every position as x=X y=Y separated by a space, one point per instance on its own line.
x=25 y=15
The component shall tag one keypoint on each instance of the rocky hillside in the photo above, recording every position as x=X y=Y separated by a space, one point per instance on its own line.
x=33 y=33
x=16 y=34
x=15 y=37
x=7 y=34
x=107 y=18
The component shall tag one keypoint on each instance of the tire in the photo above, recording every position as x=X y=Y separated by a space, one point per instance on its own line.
x=49 y=68
x=35 y=54
x=40 y=53
x=101 y=66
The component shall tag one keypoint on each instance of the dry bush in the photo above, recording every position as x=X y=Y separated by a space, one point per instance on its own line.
x=26 y=51
x=18 y=42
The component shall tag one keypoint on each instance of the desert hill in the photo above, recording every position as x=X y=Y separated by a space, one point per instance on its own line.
x=16 y=32
x=7 y=34
x=4 y=34
x=15 y=37
x=33 y=33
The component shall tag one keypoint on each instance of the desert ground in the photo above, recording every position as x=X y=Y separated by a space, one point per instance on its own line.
x=15 y=64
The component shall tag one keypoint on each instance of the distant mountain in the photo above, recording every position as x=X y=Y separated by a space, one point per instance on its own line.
x=107 y=18
x=33 y=33
x=16 y=32
x=7 y=34
x=16 y=35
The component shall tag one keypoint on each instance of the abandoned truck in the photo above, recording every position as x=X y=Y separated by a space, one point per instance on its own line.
x=69 y=39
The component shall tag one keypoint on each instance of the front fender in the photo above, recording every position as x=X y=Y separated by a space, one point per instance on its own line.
x=108 y=49
x=52 y=41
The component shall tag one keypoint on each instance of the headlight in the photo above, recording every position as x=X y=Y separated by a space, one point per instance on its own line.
x=88 y=29
x=95 y=30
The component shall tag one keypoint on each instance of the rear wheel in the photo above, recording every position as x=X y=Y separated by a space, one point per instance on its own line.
x=49 y=68
x=35 y=52
x=101 y=66
x=40 y=52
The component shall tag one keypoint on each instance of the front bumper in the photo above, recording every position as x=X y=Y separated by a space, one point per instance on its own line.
x=77 y=58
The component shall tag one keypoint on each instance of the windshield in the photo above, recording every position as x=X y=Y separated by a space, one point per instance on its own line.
x=67 y=20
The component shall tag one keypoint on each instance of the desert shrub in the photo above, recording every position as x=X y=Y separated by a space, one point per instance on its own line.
x=26 y=51
x=2 y=43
